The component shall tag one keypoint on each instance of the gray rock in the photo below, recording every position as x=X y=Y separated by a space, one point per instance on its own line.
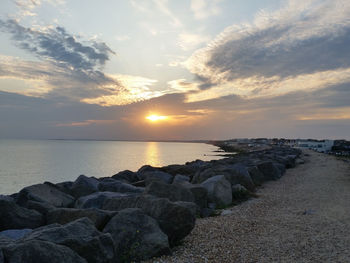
x=41 y=207
x=239 y=192
x=66 y=215
x=119 y=187
x=14 y=216
x=36 y=251
x=269 y=170
x=200 y=194
x=15 y=234
x=257 y=176
x=174 y=192
x=82 y=237
x=179 y=178
x=175 y=220
x=175 y=169
x=126 y=176
x=226 y=212
x=44 y=193
x=219 y=190
x=136 y=236
x=84 y=186
x=96 y=200
x=65 y=187
x=157 y=176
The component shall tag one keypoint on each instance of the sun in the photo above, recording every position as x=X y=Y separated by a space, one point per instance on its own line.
x=154 y=118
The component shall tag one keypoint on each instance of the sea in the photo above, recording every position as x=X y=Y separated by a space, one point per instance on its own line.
x=28 y=162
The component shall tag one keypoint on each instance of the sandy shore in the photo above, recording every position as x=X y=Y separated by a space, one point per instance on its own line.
x=303 y=217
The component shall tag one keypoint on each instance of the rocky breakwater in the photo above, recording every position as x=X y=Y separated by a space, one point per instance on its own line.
x=131 y=216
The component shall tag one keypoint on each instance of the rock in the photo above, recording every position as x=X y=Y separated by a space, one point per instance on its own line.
x=65 y=187
x=174 y=192
x=15 y=234
x=126 y=176
x=269 y=170
x=235 y=174
x=206 y=212
x=84 y=186
x=66 y=215
x=226 y=212
x=44 y=193
x=257 y=176
x=14 y=216
x=179 y=178
x=82 y=237
x=136 y=236
x=146 y=169
x=175 y=220
x=219 y=190
x=2 y=259
x=238 y=174
x=96 y=200
x=41 y=207
x=36 y=251
x=119 y=187
x=239 y=192
x=174 y=169
x=199 y=193
x=156 y=176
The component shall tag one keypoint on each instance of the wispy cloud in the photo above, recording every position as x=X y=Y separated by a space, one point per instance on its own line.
x=188 y=41
x=205 y=8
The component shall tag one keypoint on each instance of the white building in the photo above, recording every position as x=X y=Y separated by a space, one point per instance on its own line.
x=319 y=146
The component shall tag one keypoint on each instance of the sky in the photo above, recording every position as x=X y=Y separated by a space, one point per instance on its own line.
x=203 y=69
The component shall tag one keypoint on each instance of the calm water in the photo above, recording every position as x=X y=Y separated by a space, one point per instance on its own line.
x=26 y=162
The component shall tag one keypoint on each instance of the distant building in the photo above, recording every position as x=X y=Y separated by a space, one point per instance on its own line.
x=319 y=146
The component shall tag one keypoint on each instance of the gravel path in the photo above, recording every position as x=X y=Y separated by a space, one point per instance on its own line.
x=303 y=217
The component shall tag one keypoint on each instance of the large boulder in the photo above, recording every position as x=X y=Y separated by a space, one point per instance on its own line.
x=66 y=215
x=175 y=169
x=41 y=207
x=82 y=237
x=136 y=236
x=179 y=178
x=156 y=176
x=269 y=170
x=15 y=234
x=126 y=176
x=257 y=176
x=219 y=190
x=84 y=185
x=239 y=174
x=14 y=216
x=119 y=187
x=174 y=192
x=200 y=194
x=45 y=193
x=36 y=251
x=175 y=220
x=96 y=200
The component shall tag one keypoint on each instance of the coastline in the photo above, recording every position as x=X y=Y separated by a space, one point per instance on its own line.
x=303 y=217
x=170 y=198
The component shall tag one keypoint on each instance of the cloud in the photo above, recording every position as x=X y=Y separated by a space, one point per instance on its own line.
x=205 y=8
x=56 y=45
x=189 y=41
x=297 y=44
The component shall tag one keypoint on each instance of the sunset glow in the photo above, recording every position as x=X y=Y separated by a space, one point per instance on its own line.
x=155 y=118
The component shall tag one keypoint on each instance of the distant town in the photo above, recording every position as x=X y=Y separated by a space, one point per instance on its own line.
x=333 y=147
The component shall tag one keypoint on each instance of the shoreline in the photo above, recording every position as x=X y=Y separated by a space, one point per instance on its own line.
x=303 y=217
x=171 y=197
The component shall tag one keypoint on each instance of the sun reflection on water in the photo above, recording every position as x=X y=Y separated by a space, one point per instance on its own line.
x=153 y=154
